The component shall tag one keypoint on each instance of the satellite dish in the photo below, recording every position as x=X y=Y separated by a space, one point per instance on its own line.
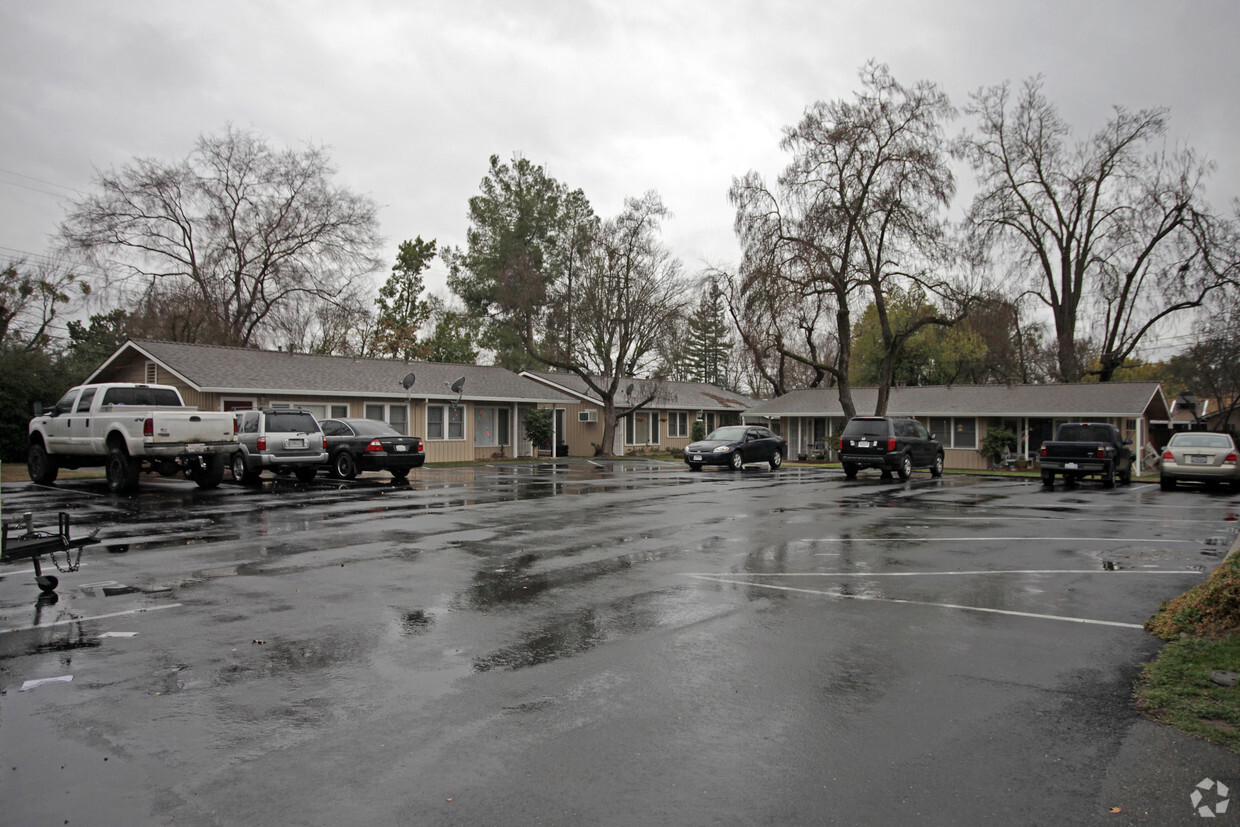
x=457 y=387
x=407 y=382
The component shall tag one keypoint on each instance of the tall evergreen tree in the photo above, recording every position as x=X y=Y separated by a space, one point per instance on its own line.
x=402 y=310
x=708 y=346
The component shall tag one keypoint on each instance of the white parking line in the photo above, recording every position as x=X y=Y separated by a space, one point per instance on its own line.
x=88 y=619
x=980 y=539
x=1107 y=572
x=820 y=593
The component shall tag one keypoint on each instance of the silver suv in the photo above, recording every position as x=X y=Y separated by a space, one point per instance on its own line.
x=278 y=440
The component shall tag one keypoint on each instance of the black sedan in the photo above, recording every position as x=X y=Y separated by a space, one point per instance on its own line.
x=355 y=445
x=735 y=445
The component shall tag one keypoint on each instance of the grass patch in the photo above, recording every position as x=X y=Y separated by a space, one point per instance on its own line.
x=1175 y=688
x=1203 y=629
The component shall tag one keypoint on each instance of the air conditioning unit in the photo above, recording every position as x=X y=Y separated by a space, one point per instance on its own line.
x=587 y=416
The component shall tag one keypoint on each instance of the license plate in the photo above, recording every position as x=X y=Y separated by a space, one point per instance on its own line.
x=697 y=457
x=402 y=448
x=1199 y=460
x=296 y=442
x=863 y=444
x=195 y=449
x=1072 y=466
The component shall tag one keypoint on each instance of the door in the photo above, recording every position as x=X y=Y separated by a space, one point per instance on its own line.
x=58 y=430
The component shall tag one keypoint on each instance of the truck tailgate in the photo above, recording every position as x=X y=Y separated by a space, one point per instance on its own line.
x=191 y=427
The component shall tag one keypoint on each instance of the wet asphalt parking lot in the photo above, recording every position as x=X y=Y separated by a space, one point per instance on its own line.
x=601 y=643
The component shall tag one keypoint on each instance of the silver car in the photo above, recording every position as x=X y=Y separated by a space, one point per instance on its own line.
x=1199 y=456
x=278 y=440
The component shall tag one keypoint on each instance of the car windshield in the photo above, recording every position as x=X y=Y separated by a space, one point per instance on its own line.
x=372 y=427
x=1200 y=441
x=733 y=433
x=291 y=423
x=866 y=427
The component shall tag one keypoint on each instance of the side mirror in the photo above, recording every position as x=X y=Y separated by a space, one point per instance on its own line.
x=1128 y=441
x=38 y=409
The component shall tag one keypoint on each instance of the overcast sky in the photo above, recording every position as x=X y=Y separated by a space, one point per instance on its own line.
x=616 y=98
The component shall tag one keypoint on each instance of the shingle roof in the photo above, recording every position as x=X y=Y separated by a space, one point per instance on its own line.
x=216 y=369
x=1093 y=399
x=671 y=395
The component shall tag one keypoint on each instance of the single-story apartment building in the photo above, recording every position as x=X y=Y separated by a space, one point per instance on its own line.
x=662 y=425
x=961 y=415
x=481 y=422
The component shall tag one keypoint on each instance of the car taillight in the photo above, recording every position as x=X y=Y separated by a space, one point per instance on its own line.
x=1102 y=452
x=1042 y=451
x=420 y=448
x=324 y=442
x=236 y=426
x=262 y=443
x=148 y=427
x=1167 y=455
x=1230 y=457
x=841 y=443
x=375 y=445
x=891 y=443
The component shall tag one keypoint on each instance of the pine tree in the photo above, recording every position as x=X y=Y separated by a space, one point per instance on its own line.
x=402 y=310
x=708 y=348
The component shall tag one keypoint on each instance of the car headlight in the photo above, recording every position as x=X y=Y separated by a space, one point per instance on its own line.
x=722 y=449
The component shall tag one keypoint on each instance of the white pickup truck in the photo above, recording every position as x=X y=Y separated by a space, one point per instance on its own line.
x=127 y=429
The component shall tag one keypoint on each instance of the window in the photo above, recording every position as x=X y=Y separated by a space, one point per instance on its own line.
x=339 y=410
x=152 y=373
x=444 y=417
x=395 y=415
x=641 y=428
x=141 y=396
x=677 y=424
x=491 y=426
x=83 y=405
x=964 y=434
x=958 y=432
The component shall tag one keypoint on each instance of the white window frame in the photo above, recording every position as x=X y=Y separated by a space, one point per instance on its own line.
x=500 y=438
x=949 y=439
x=447 y=422
x=677 y=424
x=387 y=413
x=652 y=432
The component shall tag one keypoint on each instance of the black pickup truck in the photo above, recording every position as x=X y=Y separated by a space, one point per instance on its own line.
x=1085 y=449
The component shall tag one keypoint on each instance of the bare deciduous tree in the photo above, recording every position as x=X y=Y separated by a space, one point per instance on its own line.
x=237 y=235
x=1113 y=231
x=856 y=212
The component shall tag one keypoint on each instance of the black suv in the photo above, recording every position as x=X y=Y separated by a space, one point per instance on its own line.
x=892 y=443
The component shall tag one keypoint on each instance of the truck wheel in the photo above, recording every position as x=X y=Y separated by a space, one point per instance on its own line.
x=936 y=470
x=40 y=465
x=777 y=459
x=1167 y=483
x=1048 y=479
x=906 y=467
x=736 y=460
x=1108 y=478
x=213 y=474
x=307 y=473
x=121 y=471
x=1125 y=477
x=850 y=470
x=240 y=472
